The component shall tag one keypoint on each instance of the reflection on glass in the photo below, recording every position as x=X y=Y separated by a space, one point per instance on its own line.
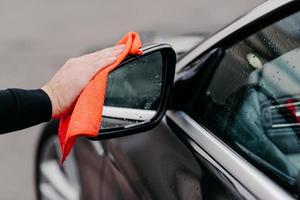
x=253 y=100
x=133 y=92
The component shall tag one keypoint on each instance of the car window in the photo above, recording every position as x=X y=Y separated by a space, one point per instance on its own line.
x=253 y=99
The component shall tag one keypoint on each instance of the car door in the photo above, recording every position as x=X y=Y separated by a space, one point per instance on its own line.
x=243 y=119
x=155 y=164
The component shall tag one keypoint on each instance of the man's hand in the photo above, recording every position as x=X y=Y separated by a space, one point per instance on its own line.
x=66 y=85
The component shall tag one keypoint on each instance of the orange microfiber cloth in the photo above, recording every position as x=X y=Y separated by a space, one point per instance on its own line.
x=85 y=118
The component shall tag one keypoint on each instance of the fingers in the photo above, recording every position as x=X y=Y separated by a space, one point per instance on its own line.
x=116 y=52
x=105 y=62
x=102 y=58
x=109 y=55
x=121 y=46
x=109 y=51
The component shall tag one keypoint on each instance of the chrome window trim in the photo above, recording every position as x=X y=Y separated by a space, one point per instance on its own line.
x=239 y=187
x=254 y=14
x=248 y=176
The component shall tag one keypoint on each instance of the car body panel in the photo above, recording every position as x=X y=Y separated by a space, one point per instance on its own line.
x=139 y=167
x=247 y=175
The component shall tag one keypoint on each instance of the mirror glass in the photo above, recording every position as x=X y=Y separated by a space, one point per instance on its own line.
x=133 y=92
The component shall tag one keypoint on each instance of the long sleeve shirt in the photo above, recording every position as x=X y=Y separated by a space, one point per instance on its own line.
x=20 y=109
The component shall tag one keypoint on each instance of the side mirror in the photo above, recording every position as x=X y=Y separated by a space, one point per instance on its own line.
x=138 y=92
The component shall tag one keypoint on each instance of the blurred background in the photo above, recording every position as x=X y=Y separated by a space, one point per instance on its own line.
x=37 y=37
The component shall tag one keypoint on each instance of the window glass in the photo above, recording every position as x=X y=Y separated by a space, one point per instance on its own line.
x=136 y=84
x=253 y=99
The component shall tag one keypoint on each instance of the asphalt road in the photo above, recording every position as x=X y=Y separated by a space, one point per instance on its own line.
x=37 y=37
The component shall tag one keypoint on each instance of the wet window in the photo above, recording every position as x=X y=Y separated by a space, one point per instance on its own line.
x=253 y=100
x=136 y=84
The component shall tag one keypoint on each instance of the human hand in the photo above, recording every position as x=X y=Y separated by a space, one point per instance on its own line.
x=68 y=82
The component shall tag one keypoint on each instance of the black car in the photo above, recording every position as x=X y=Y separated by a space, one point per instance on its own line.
x=226 y=127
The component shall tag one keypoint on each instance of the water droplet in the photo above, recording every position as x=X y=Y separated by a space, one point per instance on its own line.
x=147 y=106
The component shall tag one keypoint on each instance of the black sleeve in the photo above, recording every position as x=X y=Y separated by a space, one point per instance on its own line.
x=20 y=109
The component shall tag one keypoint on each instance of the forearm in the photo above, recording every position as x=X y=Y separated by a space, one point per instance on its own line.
x=20 y=109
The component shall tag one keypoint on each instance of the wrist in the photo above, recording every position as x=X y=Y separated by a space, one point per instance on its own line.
x=53 y=99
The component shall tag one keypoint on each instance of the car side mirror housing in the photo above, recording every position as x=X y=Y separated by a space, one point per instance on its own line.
x=138 y=92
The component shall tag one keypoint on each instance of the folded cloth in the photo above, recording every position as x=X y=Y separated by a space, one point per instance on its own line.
x=85 y=118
